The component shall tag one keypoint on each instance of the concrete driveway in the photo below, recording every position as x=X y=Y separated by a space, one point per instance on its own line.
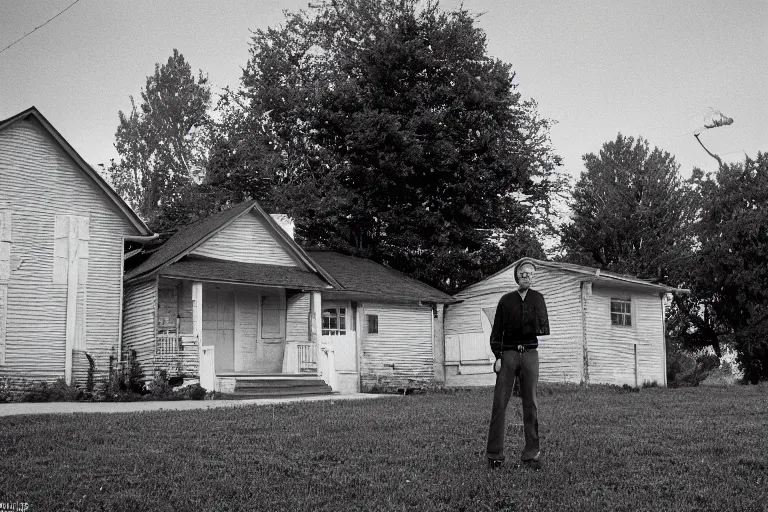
x=15 y=409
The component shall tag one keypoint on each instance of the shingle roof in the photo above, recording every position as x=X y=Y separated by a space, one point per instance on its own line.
x=121 y=205
x=186 y=238
x=246 y=273
x=590 y=273
x=371 y=280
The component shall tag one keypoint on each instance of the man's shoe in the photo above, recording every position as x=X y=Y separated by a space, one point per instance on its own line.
x=495 y=463
x=531 y=456
x=532 y=460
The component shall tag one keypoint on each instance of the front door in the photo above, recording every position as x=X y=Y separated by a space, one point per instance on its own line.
x=219 y=325
x=338 y=332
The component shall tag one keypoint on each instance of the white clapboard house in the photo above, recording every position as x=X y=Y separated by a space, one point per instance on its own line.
x=62 y=236
x=234 y=301
x=605 y=328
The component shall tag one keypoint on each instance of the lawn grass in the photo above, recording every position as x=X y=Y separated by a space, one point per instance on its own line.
x=604 y=449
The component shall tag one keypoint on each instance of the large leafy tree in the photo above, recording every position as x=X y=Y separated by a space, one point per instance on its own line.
x=727 y=269
x=162 y=142
x=632 y=212
x=386 y=131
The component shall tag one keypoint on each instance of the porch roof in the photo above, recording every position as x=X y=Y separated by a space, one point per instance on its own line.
x=367 y=280
x=244 y=273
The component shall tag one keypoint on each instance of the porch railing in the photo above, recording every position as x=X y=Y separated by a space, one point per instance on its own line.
x=307 y=360
x=167 y=342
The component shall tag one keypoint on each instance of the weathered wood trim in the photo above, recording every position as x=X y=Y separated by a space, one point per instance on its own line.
x=664 y=334
x=438 y=343
x=197 y=316
x=315 y=328
x=3 y=320
x=586 y=291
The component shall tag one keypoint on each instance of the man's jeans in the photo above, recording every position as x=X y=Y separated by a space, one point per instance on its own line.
x=527 y=364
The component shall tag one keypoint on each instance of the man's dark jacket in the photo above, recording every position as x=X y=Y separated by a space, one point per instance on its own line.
x=518 y=321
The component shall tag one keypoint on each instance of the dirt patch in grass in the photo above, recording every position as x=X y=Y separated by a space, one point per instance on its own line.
x=604 y=449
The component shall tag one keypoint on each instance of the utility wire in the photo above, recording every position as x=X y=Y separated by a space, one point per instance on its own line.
x=41 y=26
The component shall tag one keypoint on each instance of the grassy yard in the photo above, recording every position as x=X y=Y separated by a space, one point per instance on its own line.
x=604 y=449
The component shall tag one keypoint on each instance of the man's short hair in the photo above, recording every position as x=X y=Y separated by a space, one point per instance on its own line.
x=521 y=264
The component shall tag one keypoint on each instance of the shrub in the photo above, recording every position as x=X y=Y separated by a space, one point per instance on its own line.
x=160 y=388
x=59 y=391
x=193 y=392
x=91 y=371
x=5 y=391
x=687 y=370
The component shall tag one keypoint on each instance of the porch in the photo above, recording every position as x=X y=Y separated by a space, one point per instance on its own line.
x=225 y=333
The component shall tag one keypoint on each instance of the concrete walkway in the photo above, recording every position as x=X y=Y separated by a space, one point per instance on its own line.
x=15 y=409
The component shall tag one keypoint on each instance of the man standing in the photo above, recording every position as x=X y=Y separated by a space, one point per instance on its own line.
x=520 y=316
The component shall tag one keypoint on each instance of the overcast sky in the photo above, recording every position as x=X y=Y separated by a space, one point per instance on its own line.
x=651 y=68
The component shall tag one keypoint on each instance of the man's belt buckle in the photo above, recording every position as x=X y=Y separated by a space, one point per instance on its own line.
x=520 y=348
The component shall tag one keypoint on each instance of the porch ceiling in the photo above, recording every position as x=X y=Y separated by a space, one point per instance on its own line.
x=245 y=273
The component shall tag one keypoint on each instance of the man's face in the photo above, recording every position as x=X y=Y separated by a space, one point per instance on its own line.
x=525 y=276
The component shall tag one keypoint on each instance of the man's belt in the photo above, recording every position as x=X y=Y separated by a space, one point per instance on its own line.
x=521 y=348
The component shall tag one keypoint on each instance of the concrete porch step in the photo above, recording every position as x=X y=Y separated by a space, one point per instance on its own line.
x=277 y=393
x=277 y=383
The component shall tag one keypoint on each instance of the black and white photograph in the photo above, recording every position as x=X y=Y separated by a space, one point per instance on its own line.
x=383 y=255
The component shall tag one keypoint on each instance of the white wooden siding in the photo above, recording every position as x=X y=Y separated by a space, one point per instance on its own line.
x=612 y=347
x=467 y=325
x=39 y=181
x=139 y=320
x=297 y=323
x=246 y=240
x=5 y=273
x=404 y=340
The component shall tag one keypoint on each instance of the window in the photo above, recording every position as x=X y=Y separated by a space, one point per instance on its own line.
x=373 y=324
x=621 y=312
x=334 y=321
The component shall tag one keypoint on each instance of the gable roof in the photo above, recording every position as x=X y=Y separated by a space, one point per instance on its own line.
x=189 y=237
x=366 y=279
x=590 y=274
x=122 y=206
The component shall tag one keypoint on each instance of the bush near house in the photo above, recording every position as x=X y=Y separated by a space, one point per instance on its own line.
x=603 y=449
x=686 y=369
x=123 y=384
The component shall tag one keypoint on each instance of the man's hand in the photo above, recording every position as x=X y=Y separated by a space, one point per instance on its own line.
x=497 y=365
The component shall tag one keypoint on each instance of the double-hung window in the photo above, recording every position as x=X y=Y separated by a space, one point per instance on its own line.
x=334 y=321
x=621 y=312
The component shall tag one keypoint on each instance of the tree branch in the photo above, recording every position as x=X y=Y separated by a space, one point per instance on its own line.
x=709 y=333
x=720 y=162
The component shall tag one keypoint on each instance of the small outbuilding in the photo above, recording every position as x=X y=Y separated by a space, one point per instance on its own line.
x=605 y=328
x=63 y=231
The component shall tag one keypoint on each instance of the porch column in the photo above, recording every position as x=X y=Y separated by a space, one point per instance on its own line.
x=197 y=314
x=315 y=332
